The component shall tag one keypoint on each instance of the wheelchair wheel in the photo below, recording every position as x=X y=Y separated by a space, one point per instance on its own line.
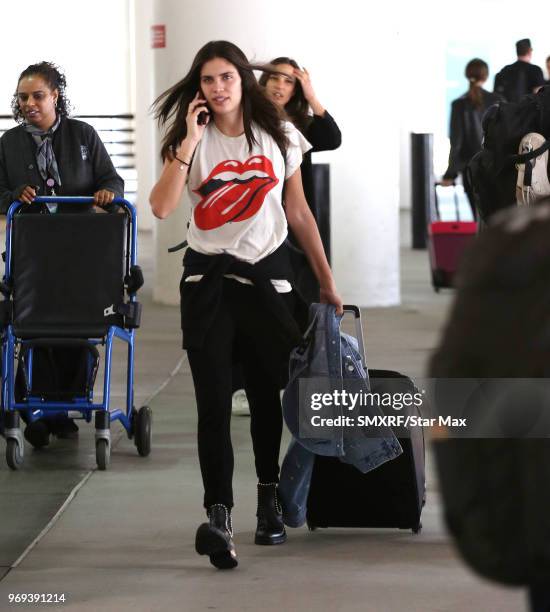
x=14 y=456
x=102 y=453
x=143 y=433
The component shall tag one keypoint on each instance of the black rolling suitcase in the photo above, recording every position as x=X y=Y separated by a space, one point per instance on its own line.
x=391 y=495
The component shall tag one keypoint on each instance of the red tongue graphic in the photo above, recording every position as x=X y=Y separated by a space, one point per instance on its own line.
x=236 y=199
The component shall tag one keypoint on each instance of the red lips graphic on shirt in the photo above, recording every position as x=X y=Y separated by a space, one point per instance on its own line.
x=233 y=191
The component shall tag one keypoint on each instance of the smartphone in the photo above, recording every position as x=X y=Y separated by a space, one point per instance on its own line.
x=202 y=118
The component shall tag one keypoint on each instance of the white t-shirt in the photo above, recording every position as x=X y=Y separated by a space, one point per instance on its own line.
x=236 y=194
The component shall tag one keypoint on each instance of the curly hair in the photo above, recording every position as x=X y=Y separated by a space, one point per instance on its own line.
x=172 y=105
x=297 y=108
x=54 y=78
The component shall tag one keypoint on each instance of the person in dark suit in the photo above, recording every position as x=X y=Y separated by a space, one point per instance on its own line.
x=466 y=132
x=520 y=78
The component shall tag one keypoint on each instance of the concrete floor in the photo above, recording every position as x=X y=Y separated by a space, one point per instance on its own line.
x=124 y=539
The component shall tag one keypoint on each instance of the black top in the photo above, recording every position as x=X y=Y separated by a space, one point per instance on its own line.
x=466 y=132
x=324 y=135
x=84 y=164
x=518 y=79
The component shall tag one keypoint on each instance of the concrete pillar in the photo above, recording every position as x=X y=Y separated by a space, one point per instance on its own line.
x=147 y=61
x=338 y=46
x=141 y=15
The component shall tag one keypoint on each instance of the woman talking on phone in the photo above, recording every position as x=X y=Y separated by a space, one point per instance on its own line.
x=227 y=142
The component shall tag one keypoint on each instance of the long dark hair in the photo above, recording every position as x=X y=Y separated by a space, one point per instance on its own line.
x=297 y=108
x=54 y=78
x=476 y=70
x=172 y=105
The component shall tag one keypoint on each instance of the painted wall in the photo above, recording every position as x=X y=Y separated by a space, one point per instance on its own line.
x=89 y=40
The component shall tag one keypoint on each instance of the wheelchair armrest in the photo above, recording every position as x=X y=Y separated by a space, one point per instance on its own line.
x=134 y=281
x=132 y=315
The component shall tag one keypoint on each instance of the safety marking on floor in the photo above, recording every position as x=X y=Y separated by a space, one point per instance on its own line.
x=85 y=479
x=53 y=520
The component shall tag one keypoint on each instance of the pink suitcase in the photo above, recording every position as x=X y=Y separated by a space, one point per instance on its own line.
x=447 y=241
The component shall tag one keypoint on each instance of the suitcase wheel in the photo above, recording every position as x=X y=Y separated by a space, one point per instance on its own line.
x=311 y=527
x=416 y=530
x=438 y=280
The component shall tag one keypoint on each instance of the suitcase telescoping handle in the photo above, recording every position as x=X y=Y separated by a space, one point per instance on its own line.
x=358 y=330
x=455 y=199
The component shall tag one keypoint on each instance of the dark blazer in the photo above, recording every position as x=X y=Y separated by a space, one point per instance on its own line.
x=466 y=132
x=84 y=164
x=324 y=135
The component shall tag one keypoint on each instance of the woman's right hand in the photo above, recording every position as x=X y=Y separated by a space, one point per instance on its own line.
x=196 y=106
x=27 y=195
x=166 y=193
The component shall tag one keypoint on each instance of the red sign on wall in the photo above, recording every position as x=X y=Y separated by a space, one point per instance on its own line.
x=158 y=36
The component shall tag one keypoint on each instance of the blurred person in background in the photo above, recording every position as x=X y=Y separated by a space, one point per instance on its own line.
x=466 y=132
x=520 y=78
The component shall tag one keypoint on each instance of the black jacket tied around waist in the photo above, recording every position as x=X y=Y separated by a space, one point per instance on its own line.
x=200 y=300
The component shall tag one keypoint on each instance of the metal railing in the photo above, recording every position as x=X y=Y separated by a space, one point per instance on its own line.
x=117 y=133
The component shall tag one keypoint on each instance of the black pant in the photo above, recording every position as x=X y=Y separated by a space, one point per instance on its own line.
x=539 y=598
x=470 y=194
x=243 y=330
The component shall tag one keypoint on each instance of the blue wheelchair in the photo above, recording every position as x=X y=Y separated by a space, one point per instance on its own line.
x=70 y=284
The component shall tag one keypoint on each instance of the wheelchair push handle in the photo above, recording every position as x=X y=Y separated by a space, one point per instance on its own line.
x=130 y=208
x=71 y=200
x=75 y=200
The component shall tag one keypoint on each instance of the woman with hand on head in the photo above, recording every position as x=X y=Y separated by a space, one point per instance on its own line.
x=235 y=294
x=290 y=88
x=49 y=153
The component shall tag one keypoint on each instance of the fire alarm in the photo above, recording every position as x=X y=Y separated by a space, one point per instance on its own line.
x=158 y=36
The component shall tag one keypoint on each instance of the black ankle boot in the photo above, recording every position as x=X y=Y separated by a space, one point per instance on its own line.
x=37 y=433
x=215 y=538
x=271 y=529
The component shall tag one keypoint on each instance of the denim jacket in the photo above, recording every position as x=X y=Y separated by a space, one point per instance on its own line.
x=326 y=353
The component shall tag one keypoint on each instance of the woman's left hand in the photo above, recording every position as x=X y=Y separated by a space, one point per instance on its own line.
x=309 y=92
x=103 y=197
x=305 y=82
x=331 y=296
